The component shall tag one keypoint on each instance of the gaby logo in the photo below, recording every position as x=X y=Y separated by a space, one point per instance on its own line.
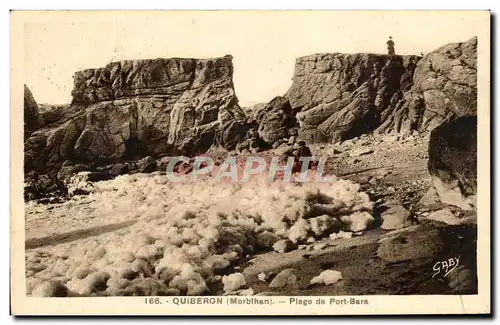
x=303 y=169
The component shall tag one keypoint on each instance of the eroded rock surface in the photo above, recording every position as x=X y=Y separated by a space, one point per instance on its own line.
x=453 y=161
x=341 y=96
x=132 y=109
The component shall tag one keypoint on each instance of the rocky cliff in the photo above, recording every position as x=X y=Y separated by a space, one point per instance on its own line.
x=444 y=88
x=345 y=95
x=132 y=109
x=340 y=96
x=30 y=113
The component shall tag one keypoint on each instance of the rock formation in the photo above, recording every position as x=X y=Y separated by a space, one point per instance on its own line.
x=30 y=113
x=275 y=120
x=132 y=109
x=129 y=110
x=341 y=96
x=453 y=161
x=444 y=87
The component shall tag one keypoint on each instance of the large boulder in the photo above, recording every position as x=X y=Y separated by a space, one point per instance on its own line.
x=275 y=120
x=453 y=161
x=133 y=109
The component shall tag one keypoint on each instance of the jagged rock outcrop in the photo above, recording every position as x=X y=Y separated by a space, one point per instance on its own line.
x=30 y=113
x=444 y=87
x=345 y=95
x=132 y=109
x=275 y=120
x=340 y=96
x=453 y=161
x=253 y=111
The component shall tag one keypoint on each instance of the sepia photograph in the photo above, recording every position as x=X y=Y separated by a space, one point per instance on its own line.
x=223 y=159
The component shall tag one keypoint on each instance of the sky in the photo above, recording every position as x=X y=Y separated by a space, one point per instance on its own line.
x=264 y=44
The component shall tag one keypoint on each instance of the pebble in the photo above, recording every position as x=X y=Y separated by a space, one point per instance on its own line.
x=285 y=277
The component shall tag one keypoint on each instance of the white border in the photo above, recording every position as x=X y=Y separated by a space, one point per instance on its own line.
x=145 y=4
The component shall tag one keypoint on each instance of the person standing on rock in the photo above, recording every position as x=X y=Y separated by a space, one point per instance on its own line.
x=390 y=46
x=302 y=151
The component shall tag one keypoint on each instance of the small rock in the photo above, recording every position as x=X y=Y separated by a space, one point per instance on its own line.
x=119 y=169
x=302 y=246
x=311 y=240
x=146 y=165
x=285 y=277
x=284 y=245
x=319 y=246
x=396 y=217
x=357 y=221
x=391 y=189
x=445 y=215
x=431 y=197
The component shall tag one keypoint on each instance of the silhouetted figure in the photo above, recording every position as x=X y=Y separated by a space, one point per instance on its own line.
x=390 y=46
x=302 y=151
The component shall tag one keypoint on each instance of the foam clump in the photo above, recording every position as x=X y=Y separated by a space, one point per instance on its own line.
x=184 y=233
